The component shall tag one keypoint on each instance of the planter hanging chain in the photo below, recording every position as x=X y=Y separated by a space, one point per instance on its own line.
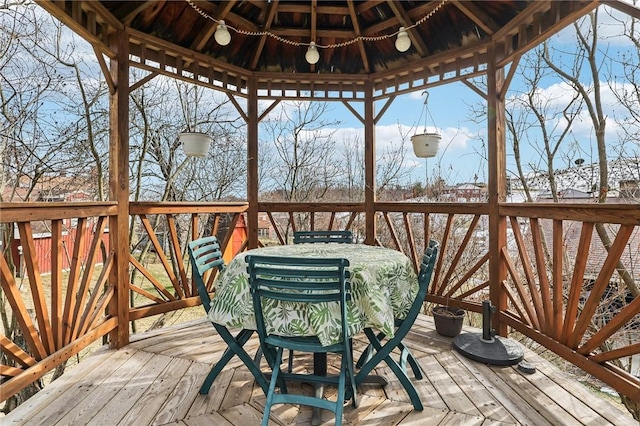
x=425 y=111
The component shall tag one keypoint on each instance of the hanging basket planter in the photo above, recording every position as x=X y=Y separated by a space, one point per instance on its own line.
x=425 y=145
x=195 y=144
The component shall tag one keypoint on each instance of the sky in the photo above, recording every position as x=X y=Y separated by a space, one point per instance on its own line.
x=462 y=148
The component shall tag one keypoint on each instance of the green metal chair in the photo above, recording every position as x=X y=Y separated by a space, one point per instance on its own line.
x=383 y=352
x=424 y=278
x=300 y=237
x=206 y=256
x=307 y=281
x=345 y=237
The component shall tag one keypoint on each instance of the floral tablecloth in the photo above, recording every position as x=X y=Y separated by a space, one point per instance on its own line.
x=383 y=286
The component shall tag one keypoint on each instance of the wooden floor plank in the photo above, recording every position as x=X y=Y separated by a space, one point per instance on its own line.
x=81 y=388
x=447 y=388
x=476 y=391
x=209 y=419
x=112 y=412
x=547 y=406
x=137 y=385
x=605 y=409
x=30 y=408
x=144 y=412
x=177 y=404
x=211 y=401
x=102 y=393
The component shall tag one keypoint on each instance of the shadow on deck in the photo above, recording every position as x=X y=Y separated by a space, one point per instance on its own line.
x=155 y=381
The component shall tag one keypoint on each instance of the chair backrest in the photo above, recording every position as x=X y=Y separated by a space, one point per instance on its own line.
x=205 y=254
x=303 y=280
x=427 y=265
x=345 y=237
x=424 y=277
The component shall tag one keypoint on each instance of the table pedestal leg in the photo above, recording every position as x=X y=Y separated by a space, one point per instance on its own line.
x=319 y=369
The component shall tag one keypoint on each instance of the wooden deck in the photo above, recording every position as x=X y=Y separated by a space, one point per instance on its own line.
x=155 y=381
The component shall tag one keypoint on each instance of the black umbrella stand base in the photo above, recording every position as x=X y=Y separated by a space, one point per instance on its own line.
x=496 y=351
x=486 y=348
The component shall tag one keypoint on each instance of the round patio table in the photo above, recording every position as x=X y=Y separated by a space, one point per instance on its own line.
x=383 y=287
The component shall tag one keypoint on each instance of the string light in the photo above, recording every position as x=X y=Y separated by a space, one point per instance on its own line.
x=312 y=56
x=403 y=43
x=222 y=35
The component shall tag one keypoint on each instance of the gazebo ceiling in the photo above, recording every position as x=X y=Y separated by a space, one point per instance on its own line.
x=450 y=39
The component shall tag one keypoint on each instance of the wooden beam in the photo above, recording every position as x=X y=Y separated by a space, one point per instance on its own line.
x=119 y=189
x=369 y=166
x=496 y=188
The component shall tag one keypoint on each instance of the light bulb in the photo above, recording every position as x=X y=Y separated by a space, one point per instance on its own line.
x=222 y=35
x=312 y=56
x=403 y=42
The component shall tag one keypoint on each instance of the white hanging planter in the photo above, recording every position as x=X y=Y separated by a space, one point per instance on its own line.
x=195 y=144
x=425 y=145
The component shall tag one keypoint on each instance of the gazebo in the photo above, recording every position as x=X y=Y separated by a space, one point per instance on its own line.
x=358 y=53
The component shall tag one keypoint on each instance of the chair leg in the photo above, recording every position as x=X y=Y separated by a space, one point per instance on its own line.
x=290 y=366
x=383 y=353
x=272 y=387
x=407 y=356
x=236 y=348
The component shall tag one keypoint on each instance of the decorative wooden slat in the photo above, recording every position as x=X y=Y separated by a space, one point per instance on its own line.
x=157 y=284
x=332 y=218
x=96 y=319
x=144 y=293
x=577 y=281
x=69 y=316
x=90 y=263
x=13 y=296
x=463 y=246
x=541 y=266
x=558 y=279
x=15 y=352
x=292 y=222
x=352 y=218
x=467 y=275
x=474 y=290
x=8 y=371
x=275 y=228
x=442 y=255
x=195 y=222
x=626 y=351
x=180 y=285
x=590 y=306
x=528 y=273
x=392 y=231
x=412 y=245
x=57 y=251
x=525 y=300
x=616 y=323
x=312 y=220
x=89 y=311
x=161 y=255
x=47 y=364
x=37 y=289
x=515 y=302
x=426 y=220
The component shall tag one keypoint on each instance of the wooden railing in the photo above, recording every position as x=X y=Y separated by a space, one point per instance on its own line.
x=549 y=251
x=162 y=232
x=569 y=291
x=60 y=313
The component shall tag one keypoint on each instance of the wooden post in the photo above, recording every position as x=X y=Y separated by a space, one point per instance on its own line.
x=497 y=188
x=369 y=165
x=119 y=188
x=252 y=164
